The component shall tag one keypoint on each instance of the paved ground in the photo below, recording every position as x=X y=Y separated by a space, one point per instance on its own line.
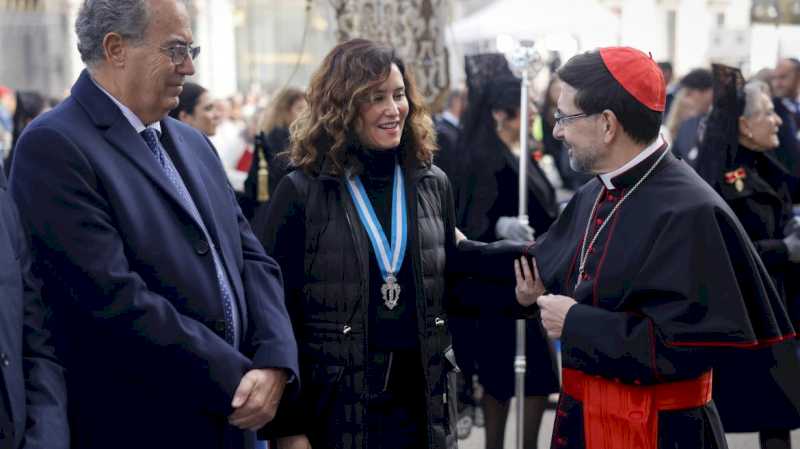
x=475 y=440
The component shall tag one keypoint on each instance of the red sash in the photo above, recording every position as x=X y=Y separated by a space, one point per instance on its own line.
x=617 y=415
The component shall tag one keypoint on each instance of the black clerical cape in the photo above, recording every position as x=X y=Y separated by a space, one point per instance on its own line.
x=671 y=281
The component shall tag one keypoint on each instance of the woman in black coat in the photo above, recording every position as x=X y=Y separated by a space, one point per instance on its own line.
x=489 y=212
x=364 y=231
x=270 y=153
x=755 y=390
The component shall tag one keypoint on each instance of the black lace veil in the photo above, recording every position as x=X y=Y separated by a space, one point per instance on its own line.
x=491 y=85
x=721 y=139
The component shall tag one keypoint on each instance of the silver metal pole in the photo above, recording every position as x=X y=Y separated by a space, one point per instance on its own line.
x=520 y=362
x=528 y=61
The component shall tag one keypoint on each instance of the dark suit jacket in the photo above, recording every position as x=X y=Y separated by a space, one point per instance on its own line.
x=689 y=138
x=788 y=152
x=448 y=157
x=132 y=279
x=32 y=391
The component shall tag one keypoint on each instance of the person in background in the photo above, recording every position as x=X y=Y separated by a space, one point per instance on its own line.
x=271 y=147
x=692 y=99
x=681 y=110
x=8 y=104
x=669 y=73
x=552 y=146
x=767 y=75
x=196 y=108
x=29 y=105
x=491 y=139
x=231 y=143
x=448 y=131
x=685 y=122
x=786 y=86
x=737 y=161
x=169 y=316
x=786 y=99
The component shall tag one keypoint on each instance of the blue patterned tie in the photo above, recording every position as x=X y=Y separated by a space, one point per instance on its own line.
x=150 y=136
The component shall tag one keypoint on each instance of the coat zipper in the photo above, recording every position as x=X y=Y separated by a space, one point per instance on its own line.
x=359 y=244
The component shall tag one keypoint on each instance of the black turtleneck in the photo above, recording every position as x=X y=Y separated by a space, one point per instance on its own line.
x=389 y=329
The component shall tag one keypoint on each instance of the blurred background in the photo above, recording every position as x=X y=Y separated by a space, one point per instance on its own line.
x=258 y=46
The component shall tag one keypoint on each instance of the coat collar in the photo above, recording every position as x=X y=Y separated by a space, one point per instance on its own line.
x=100 y=109
x=630 y=173
x=121 y=134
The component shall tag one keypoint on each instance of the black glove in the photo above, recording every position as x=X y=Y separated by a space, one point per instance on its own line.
x=483 y=279
x=491 y=262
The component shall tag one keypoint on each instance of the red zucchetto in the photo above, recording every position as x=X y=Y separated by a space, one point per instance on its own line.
x=638 y=74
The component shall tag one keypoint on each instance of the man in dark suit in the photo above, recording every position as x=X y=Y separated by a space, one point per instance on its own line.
x=447 y=134
x=690 y=135
x=786 y=87
x=170 y=315
x=33 y=407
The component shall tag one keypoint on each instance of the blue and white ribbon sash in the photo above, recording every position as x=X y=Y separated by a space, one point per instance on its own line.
x=390 y=258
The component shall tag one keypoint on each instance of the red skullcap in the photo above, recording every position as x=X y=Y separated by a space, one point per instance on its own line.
x=638 y=74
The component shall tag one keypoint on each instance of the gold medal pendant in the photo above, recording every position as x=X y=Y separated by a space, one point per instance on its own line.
x=739 y=185
x=390 y=290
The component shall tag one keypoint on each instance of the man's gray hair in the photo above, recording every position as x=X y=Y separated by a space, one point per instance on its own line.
x=752 y=93
x=97 y=18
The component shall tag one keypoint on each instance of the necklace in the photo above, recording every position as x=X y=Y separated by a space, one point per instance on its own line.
x=585 y=249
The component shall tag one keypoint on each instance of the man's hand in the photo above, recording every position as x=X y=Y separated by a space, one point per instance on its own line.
x=257 y=397
x=294 y=442
x=529 y=286
x=554 y=311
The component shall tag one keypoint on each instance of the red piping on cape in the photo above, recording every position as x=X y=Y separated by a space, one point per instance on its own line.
x=652 y=331
x=747 y=344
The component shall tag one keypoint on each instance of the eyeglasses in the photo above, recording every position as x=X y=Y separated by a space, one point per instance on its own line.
x=564 y=120
x=179 y=52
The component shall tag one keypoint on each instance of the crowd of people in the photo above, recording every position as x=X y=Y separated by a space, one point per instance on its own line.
x=339 y=268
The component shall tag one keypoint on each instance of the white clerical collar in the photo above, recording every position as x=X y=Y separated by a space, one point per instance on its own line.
x=133 y=119
x=606 y=178
x=449 y=117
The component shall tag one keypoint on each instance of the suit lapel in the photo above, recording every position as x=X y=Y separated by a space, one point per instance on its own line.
x=181 y=154
x=124 y=138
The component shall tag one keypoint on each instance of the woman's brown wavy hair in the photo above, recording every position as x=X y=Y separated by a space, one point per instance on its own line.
x=344 y=81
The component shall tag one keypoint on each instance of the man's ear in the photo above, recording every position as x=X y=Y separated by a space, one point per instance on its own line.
x=116 y=49
x=610 y=124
